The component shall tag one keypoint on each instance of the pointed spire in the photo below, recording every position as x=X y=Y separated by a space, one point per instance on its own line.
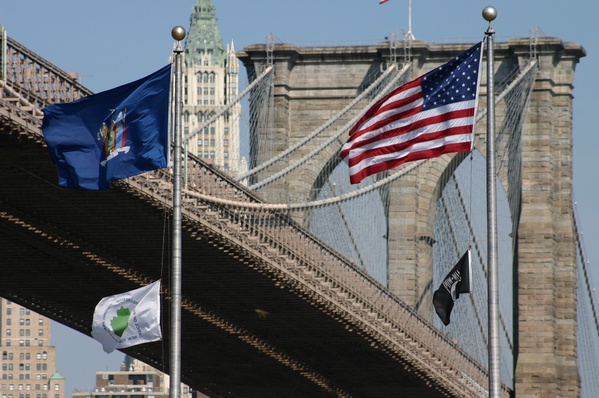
x=204 y=36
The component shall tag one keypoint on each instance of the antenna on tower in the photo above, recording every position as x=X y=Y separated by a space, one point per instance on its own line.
x=409 y=35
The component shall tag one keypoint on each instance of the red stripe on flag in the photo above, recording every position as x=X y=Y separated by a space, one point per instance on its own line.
x=429 y=128
x=407 y=124
x=413 y=156
x=405 y=145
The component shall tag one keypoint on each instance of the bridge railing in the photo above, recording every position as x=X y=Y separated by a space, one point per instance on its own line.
x=313 y=270
x=37 y=80
x=304 y=262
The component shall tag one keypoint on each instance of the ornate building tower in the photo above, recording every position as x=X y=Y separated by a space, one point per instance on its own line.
x=211 y=82
x=28 y=360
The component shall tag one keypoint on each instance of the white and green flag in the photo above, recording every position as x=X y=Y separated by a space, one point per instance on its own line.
x=128 y=319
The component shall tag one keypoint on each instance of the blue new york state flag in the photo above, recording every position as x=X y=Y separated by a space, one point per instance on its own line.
x=111 y=135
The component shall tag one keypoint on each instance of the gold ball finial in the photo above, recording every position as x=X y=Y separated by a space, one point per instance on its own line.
x=178 y=33
x=489 y=13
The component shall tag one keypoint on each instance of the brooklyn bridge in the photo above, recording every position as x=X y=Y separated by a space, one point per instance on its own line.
x=297 y=284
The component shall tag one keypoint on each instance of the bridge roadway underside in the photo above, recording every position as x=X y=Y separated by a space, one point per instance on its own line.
x=243 y=336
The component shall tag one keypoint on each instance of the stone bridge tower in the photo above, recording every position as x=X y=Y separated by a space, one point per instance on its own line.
x=313 y=83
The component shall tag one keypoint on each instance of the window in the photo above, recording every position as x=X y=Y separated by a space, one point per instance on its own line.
x=226 y=154
x=212 y=154
x=226 y=130
x=226 y=142
x=200 y=142
x=56 y=387
x=8 y=332
x=212 y=142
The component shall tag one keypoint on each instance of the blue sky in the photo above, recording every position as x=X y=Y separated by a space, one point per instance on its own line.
x=112 y=42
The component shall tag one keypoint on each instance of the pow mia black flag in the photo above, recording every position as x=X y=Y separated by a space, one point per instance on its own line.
x=456 y=282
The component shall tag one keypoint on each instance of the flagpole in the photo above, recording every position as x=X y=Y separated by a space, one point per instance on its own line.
x=489 y=14
x=178 y=33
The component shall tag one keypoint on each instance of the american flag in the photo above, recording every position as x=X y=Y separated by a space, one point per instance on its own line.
x=383 y=1
x=425 y=118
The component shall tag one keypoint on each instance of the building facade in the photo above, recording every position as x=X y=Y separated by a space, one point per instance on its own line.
x=135 y=379
x=28 y=360
x=211 y=81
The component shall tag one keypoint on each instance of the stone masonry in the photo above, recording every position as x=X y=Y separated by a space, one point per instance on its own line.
x=313 y=83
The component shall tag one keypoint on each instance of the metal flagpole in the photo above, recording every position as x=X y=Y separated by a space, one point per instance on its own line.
x=489 y=14
x=178 y=33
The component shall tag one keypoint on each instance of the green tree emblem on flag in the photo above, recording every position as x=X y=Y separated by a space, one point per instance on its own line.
x=120 y=322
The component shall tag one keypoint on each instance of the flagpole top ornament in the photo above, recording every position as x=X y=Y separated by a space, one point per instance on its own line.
x=489 y=13
x=178 y=33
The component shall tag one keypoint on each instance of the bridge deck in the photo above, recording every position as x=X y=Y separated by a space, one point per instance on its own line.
x=258 y=321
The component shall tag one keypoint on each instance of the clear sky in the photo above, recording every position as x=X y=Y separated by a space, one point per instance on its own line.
x=112 y=42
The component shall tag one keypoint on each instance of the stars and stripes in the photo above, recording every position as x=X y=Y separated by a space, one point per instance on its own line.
x=425 y=118
x=383 y=1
